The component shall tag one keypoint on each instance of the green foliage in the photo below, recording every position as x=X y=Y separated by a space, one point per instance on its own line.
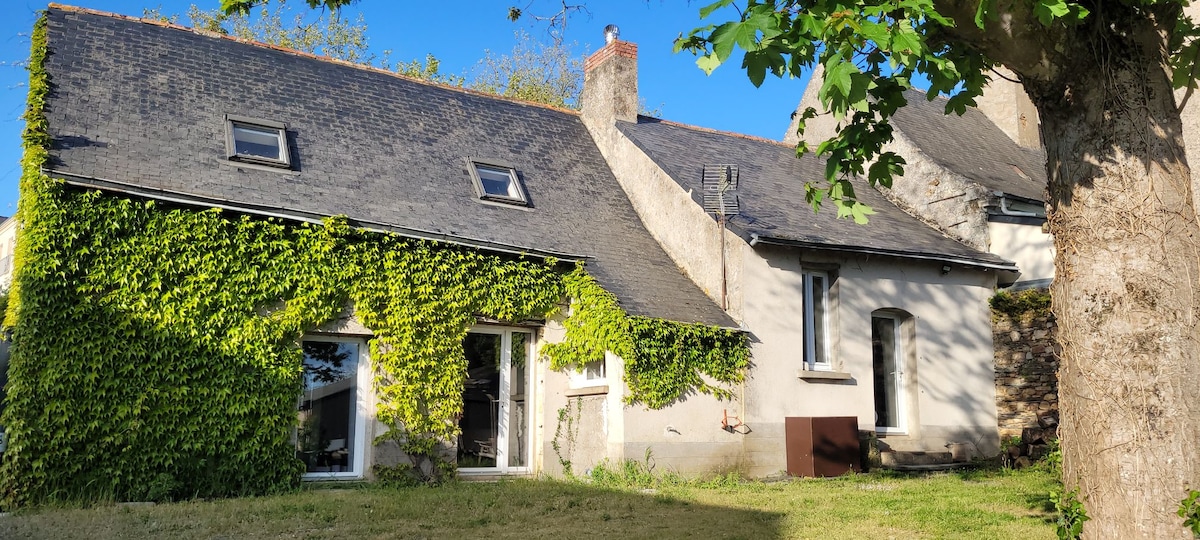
x=566 y=432
x=1189 y=510
x=664 y=360
x=156 y=340
x=325 y=35
x=1071 y=514
x=429 y=70
x=400 y=475
x=232 y=7
x=871 y=53
x=1032 y=302
x=629 y=473
x=3 y=308
x=532 y=71
x=330 y=36
x=1053 y=460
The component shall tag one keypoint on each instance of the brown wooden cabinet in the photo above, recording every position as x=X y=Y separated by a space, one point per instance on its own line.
x=822 y=446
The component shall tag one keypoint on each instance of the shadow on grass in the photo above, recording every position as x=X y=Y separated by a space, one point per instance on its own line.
x=1042 y=503
x=525 y=509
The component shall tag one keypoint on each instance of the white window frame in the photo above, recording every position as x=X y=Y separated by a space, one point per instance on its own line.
x=899 y=356
x=811 y=362
x=279 y=129
x=516 y=195
x=584 y=379
x=362 y=411
x=502 y=466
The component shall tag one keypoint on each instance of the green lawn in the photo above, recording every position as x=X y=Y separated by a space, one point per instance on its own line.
x=990 y=504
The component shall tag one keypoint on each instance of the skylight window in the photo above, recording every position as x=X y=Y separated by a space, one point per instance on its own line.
x=256 y=141
x=497 y=182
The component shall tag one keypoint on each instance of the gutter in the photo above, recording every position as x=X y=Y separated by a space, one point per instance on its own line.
x=756 y=239
x=187 y=199
x=1004 y=207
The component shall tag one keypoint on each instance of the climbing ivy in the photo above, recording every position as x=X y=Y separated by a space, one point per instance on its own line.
x=664 y=360
x=156 y=348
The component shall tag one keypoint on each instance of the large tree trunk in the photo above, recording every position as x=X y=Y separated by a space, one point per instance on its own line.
x=1125 y=295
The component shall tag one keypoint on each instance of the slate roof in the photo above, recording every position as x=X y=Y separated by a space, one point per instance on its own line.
x=771 y=196
x=972 y=146
x=139 y=107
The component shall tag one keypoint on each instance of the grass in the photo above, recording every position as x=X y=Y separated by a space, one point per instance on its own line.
x=981 y=504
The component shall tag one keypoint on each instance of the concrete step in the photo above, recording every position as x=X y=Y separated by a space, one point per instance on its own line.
x=898 y=459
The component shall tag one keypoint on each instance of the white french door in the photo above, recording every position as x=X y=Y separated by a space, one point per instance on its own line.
x=496 y=423
x=888 y=367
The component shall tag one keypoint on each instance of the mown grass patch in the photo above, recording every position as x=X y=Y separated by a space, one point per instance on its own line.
x=989 y=504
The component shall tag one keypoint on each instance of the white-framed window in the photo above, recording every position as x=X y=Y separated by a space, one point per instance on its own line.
x=592 y=374
x=256 y=141
x=332 y=411
x=816 y=320
x=495 y=181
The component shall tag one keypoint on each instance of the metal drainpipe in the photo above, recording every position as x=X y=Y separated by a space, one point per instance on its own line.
x=1004 y=208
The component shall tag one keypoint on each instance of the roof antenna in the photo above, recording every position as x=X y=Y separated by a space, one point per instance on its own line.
x=719 y=183
x=611 y=33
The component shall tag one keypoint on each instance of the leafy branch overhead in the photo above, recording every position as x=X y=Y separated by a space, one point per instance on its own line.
x=871 y=53
x=231 y=7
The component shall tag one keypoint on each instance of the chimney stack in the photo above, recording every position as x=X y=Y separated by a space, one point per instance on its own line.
x=610 y=90
x=1007 y=105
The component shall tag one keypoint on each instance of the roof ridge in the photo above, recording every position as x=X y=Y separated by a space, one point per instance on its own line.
x=253 y=43
x=755 y=138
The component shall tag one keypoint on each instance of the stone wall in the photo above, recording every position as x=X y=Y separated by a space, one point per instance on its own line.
x=1026 y=372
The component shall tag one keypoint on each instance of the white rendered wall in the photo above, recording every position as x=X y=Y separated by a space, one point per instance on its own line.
x=1026 y=245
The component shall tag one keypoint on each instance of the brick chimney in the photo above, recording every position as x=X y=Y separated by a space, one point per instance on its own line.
x=610 y=90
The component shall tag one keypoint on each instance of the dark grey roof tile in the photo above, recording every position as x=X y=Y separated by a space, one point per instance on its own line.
x=771 y=195
x=972 y=146
x=144 y=105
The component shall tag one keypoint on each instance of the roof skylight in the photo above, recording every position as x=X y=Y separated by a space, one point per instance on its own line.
x=497 y=182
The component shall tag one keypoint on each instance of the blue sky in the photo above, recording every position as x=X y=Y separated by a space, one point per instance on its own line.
x=668 y=82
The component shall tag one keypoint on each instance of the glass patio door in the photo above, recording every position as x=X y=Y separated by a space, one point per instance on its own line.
x=495 y=423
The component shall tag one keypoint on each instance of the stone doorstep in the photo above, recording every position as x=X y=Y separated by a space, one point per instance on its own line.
x=897 y=459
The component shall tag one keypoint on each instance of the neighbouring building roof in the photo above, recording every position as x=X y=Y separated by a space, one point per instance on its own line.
x=972 y=146
x=139 y=107
x=771 y=196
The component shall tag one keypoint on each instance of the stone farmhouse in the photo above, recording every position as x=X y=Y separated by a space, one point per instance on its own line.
x=885 y=325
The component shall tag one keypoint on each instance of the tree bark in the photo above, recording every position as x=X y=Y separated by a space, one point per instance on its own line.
x=1126 y=291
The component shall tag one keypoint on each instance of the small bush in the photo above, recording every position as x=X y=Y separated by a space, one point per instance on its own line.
x=163 y=488
x=1189 y=510
x=1071 y=514
x=1035 y=302
x=629 y=473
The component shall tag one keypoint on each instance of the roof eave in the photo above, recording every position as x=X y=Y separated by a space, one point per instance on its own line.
x=201 y=201
x=756 y=239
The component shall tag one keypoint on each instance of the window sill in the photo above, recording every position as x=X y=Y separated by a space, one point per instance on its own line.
x=505 y=203
x=331 y=477
x=258 y=167
x=587 y=391
x=810 y=375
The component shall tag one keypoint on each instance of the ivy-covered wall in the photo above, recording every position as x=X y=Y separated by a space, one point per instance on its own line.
x=156 y=347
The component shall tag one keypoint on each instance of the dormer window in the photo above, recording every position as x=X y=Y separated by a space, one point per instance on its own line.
x=256 y=141
x=497 y=182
